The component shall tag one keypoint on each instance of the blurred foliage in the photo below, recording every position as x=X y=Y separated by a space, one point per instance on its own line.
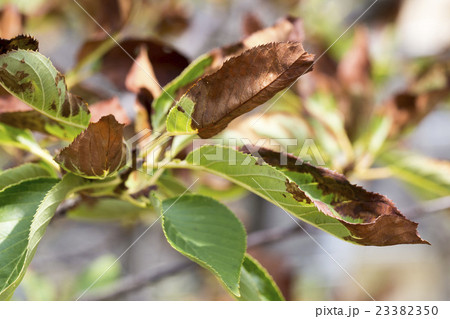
x=359 y=106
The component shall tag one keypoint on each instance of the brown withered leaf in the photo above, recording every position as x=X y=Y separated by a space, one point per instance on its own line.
x=107 y=107
x=97 y=152
x=24 y=42
x=115 y=64
x=381 y=223
x=245 y=82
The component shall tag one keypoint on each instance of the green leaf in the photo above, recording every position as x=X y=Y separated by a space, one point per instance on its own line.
x=207 y=232
x=429 y=176
x=179 y=120
x=164 y=102
x=31 y=77
x=25 y=211
x=315 y=195
x=256 y=283
x=20 y=173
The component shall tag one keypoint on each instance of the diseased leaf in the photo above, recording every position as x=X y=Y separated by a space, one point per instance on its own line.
x=317 y=196
x=97 y=152
x=31 y=77
x=256 y=284
x=243 y=83
x=24 y=42
x=371 y=218
x=207 y=232
x=25 y=211
x=20 y=173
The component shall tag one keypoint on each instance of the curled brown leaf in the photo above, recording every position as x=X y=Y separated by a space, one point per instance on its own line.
x=245 y=82
x=380 y=222
x=97 y=152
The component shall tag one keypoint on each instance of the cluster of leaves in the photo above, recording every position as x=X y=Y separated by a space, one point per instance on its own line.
x=210 y=93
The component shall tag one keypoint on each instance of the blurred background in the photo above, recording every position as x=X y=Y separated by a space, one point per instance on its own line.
x=400 y=37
